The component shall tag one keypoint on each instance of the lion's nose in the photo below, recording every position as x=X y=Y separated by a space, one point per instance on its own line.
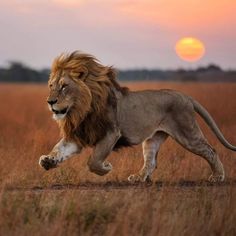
x=51 y=102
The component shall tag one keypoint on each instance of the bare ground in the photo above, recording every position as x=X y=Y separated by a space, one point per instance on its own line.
x=112 y=185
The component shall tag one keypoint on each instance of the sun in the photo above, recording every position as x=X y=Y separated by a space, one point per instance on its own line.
x=190 y=49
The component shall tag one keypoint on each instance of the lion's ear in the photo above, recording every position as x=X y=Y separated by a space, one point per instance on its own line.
x=83 y=73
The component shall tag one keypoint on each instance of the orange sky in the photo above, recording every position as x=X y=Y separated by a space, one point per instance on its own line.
x=183 y=14
x=127 y=34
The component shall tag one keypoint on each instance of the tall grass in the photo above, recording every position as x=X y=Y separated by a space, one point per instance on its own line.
x=30 y=206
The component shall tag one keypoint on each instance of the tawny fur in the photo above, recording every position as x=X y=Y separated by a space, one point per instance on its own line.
x=98 y=112
x=95 y=82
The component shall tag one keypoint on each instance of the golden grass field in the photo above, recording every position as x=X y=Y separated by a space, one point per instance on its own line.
x=69 y=200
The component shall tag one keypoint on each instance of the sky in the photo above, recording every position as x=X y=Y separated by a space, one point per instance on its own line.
x=127 y=34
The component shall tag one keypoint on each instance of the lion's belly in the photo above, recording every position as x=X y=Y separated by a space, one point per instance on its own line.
x=139 y=133
x=140 y=117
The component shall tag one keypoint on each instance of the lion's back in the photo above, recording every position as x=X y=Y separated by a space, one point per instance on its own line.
x=141 y=112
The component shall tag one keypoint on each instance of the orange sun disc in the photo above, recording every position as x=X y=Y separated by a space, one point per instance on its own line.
x=190 y=49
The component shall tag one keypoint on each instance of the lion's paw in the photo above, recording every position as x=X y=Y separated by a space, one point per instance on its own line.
x=100 y=169
x=107 y=166
x=47 y=162
x=136 y=178
x=216 y=178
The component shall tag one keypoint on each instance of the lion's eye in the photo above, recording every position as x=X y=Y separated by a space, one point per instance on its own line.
x=63 y=87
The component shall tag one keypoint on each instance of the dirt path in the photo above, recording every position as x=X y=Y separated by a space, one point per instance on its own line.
x=124 y=185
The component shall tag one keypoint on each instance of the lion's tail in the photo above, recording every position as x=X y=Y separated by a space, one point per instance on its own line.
x=211 y=123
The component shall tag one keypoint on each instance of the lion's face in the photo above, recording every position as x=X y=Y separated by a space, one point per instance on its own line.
x=79 y=85
x=63 y=93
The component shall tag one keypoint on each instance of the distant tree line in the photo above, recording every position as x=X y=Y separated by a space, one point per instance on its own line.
x=18 y=72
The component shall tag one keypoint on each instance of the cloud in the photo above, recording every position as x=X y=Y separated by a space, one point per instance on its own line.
x=69 y=3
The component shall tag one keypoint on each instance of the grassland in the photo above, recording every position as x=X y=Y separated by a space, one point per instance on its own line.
x=70 y=200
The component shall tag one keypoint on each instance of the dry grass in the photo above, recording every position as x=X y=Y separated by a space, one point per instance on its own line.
x=29 y=205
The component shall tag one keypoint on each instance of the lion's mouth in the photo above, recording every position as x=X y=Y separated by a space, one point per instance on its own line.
x=60 y=112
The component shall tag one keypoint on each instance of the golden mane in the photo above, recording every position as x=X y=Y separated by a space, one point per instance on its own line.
x=87 y=122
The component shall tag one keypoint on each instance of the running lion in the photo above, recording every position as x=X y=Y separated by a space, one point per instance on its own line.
x=92 y=109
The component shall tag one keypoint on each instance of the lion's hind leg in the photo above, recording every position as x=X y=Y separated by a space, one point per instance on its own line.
x=205 y=150
x=150 y=147
x=192 y=138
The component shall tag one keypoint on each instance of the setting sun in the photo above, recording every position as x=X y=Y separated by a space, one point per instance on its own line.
x=190 y=49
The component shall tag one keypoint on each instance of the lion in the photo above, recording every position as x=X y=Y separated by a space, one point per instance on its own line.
x=92 y=109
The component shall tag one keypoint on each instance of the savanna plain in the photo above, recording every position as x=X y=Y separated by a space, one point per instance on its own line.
x=69 y=200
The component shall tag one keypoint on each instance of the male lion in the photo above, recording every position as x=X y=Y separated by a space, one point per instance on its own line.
x=92 y=109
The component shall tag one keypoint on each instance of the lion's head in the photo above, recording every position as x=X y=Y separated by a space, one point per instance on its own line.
x=80 y=90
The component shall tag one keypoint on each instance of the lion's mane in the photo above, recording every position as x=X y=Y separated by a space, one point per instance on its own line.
x=87 y=122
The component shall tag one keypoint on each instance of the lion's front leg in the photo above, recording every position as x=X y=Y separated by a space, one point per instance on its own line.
x=96 y=162
x=61 y=152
